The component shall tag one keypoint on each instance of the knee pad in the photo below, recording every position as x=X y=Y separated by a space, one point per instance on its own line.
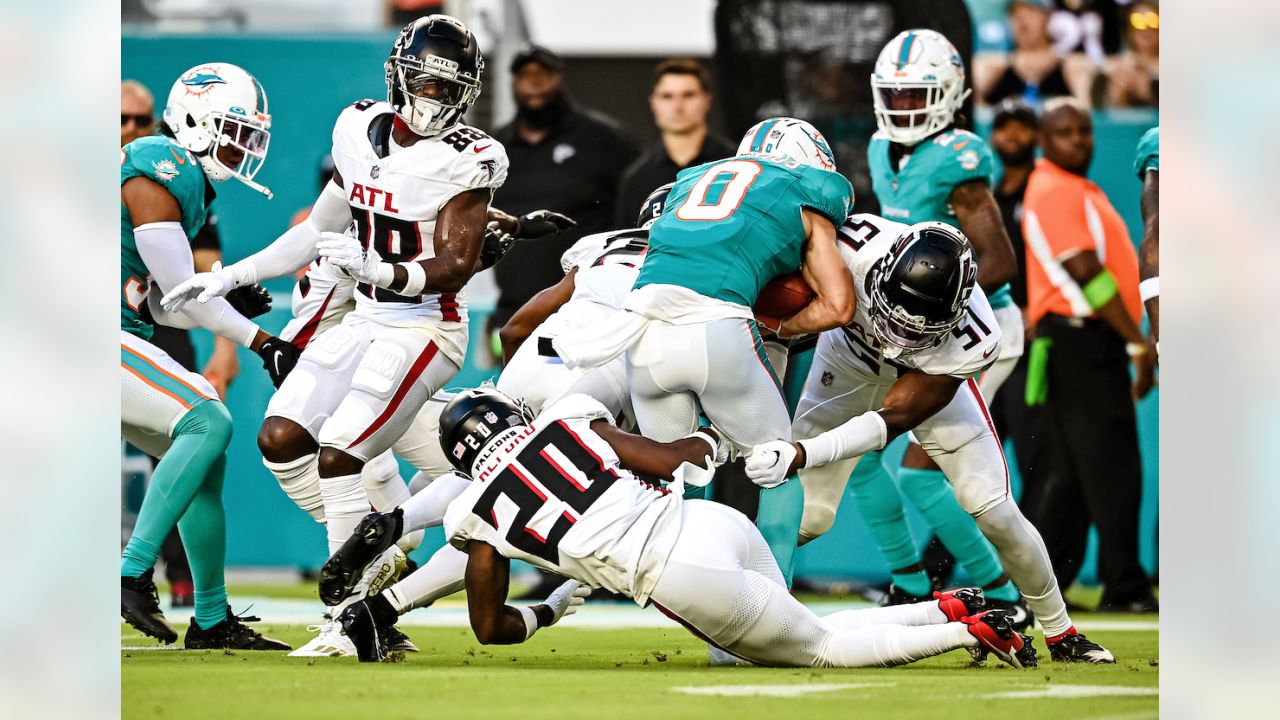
x=380 y=470
x=823 y=490
x=380 y=369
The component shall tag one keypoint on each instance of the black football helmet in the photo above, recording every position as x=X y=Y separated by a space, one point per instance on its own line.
x=653 y=206
x=473 y=419
x=433 y=73
x=920 y=289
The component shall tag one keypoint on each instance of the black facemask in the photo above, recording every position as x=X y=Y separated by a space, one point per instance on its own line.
x=547 y=116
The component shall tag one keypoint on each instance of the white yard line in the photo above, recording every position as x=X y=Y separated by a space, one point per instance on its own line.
x=784 y=691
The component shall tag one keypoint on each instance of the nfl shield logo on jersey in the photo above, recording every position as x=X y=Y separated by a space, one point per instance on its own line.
x=827 y=378
x=374 y=172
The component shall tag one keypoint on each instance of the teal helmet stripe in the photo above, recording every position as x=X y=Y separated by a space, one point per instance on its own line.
x=758 y=141
x=905 y=54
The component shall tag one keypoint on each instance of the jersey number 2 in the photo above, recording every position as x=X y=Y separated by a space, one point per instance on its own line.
x=730 y=180
x=551 y=457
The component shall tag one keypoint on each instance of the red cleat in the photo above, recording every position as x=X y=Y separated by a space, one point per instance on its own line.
x=994 y=634
x=961 y=603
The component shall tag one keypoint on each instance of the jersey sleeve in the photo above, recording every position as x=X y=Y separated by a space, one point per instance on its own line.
x=1148 y=157
x=172 y=167
x=480 y=164
x=584 y=251
x=967 y=157
x=828 y=193
x=972 y=347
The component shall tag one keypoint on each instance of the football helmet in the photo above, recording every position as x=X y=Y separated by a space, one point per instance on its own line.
x=789 y=138
x=433 y=74
x=473 y=422
x=917 y=85
x=218 y=105
x=920 y=289
x=653 y=206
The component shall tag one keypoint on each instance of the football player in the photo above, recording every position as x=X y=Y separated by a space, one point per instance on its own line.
x=417 y=183
x=1147 y=166
x=218 y=128
x=908 y=362
x=924 y=168
x=690 y=337
x=562 y=491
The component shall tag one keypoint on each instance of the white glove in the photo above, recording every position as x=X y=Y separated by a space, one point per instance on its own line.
x=769 y=463
x=566 y=599
x=201 y=287
x=365 y=266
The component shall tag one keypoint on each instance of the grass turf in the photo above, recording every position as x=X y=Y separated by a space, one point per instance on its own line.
x=625 y=673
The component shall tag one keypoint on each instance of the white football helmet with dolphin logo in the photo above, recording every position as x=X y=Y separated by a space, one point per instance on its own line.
x=216 y=105
x=918 y=85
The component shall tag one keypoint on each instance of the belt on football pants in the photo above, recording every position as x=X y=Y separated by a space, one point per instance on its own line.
x=546 y=349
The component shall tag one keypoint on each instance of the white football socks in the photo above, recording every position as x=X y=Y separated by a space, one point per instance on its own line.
x=300 y=480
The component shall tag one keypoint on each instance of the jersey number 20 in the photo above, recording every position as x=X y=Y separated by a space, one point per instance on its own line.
x=719 y=192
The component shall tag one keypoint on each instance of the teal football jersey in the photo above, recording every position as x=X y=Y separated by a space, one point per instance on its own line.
x=920 y=191
x=733 y=225
x=176 y=170
x=1148 y=153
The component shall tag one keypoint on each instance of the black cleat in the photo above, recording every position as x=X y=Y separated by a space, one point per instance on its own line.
x=1078 y=648
x=399 y=642
x=140 y=607
x=369 y=624
x=995 y=635
x=340 y=574
x=1020 y=616
x=230 y=634
x=898 y=596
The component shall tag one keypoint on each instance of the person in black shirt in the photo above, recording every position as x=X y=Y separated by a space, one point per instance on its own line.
x=680 y=100
x=563 y=158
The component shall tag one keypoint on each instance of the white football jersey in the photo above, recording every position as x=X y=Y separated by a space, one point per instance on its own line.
x=396 y=193
x=967 y=351
x=320 y=300
x=607 y=264
x=557 y=497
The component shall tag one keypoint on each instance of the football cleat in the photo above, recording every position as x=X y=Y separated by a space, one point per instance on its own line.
x=372 y=537
x=399 y=642
x=230 y=634
x=1020 y=616
x=961 y=603
x=898 y=596
x=140 y=607
x=1074 y=647
x=330 y=642
x=368 y=625
x=994 y=635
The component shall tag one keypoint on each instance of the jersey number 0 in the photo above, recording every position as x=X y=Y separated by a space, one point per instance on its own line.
x=720 y=190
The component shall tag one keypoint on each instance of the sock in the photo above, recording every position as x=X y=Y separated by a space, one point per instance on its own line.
x=204 y=535
x=880 y=505
x=923 y=613
x=345 y=504
x=442 y=575
x=300 y=480
x=778 y=519
x=426 y=509
x=930 y=492
x=916 y=582
x=888 y=645
x=200 y=440
x=1023 y=553
x=1006 y=592
x=381 y=478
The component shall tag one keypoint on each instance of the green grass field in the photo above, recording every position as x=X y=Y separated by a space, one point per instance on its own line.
x=623 y=673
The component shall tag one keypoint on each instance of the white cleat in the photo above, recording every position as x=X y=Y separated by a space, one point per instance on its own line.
x=329 y=643
x=723 y=658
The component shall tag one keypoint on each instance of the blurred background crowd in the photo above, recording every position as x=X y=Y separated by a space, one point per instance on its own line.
x=598 y=103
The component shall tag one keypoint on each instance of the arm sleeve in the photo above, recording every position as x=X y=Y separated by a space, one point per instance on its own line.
x=297 y=246
x=163 y=248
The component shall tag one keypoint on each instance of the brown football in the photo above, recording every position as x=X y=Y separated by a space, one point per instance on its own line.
x=783 y=296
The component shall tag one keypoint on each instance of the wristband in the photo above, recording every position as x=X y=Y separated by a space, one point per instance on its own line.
x=1149 y=289
x=530 y=621
x=1135 y=349
x=417 y=278
x=1101 y=289
x=715 y=446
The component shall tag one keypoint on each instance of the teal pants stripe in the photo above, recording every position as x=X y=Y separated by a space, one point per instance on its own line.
x=159 y=379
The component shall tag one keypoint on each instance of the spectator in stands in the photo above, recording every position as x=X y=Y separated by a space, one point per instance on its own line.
x=680 y=100
x=1133 y=76
x=1082 y=287
x=1033 y=71
x=137 y=120
x=403 y=12
x=563 y=158
x=1013 y=137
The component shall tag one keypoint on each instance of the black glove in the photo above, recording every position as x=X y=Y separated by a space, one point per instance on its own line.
x=278 y=358
x=541 y=223
x=496 y=244
x=250 y=300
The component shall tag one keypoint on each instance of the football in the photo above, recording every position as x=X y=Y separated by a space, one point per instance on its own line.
x=783 y=296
